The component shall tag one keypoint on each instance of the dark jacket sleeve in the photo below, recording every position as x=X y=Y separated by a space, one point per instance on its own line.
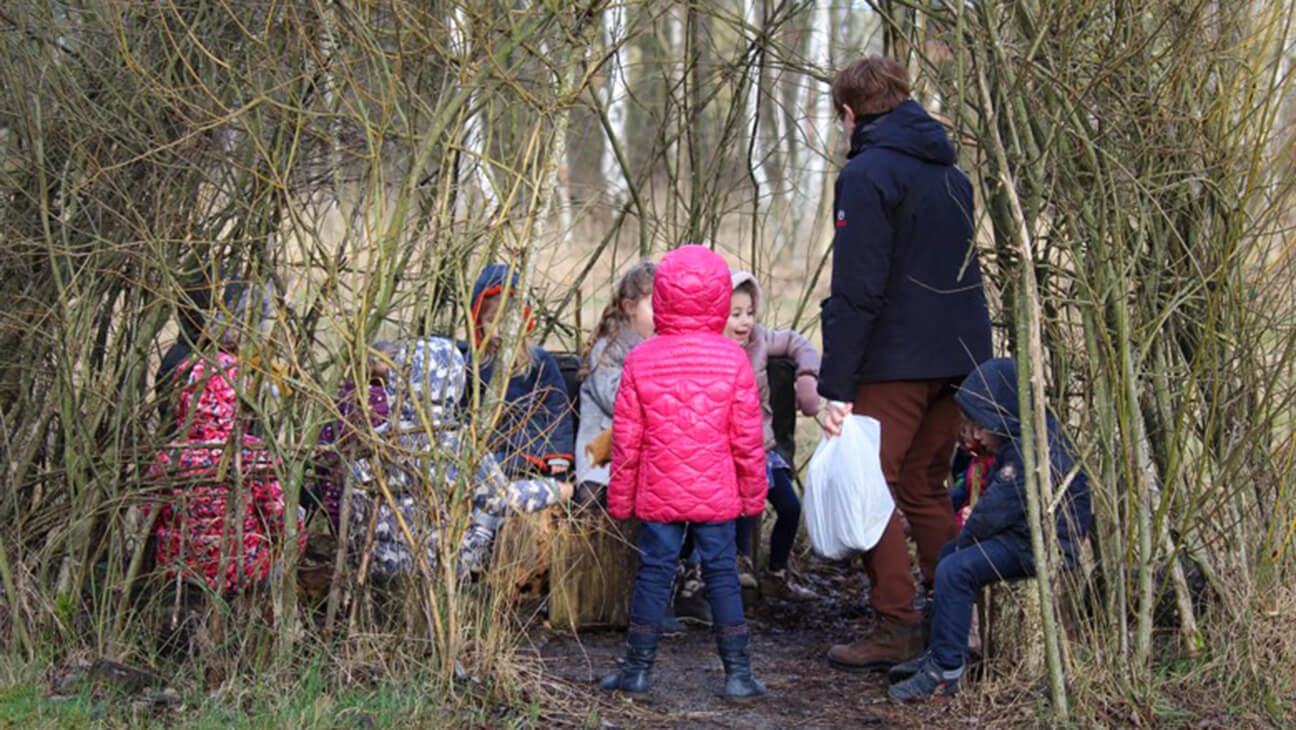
x=1001 y=508
x=862 y=248
x=553 y=418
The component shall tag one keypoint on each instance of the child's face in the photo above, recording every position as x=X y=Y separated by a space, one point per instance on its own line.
x=380 y=361
x=976 y=439
x=742 y=318
x=487 y=313
x=640 y=314
x=965 y=437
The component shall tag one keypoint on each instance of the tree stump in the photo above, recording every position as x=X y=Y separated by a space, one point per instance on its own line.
x=1011 y=626
x=523 y=551
x=585 y=563
x=593 y=572
x=1012 y=638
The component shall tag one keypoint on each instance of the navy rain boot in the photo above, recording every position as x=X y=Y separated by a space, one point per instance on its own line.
x=636 y=670
x=732 y=643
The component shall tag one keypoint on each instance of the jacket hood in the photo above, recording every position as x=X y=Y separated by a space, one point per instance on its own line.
x=245 y=309
x=429 y=385
x=691 y=292
x=989 y=397
x=907 y=129
x=494 y=279
x=743 y=277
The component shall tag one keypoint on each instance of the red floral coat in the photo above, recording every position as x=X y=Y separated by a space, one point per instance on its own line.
x=190 y=536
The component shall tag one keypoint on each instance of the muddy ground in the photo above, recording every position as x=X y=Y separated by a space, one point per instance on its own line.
x=788 y=653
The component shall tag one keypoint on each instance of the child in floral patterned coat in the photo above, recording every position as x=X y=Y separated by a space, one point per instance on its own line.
x=191 y=538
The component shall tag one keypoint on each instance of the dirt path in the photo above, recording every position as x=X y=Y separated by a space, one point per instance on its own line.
x=788 y=647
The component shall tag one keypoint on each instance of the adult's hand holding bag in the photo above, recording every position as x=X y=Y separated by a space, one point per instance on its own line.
x=847 y=502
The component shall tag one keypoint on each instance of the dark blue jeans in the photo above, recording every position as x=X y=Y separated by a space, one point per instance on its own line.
x=959 y=575
x=787 y=505
x=659 y=549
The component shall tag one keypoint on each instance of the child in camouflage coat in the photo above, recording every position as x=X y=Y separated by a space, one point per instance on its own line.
x=421 y=450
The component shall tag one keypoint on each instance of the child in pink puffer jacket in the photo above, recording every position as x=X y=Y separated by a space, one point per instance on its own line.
x=687 y=454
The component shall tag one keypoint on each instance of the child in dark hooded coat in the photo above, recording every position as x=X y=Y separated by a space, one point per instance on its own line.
x=994 y=544
x=534 y=433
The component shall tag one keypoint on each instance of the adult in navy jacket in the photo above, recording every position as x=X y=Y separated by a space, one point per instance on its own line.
x=905 y=321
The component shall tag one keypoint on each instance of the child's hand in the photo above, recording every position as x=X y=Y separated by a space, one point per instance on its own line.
x=566 y=490
x=965 y=513
x=807 y=394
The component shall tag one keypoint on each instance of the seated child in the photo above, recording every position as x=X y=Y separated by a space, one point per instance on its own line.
x=346 y=433
x=760 y=344
x=687 y=454
x=190 y=538
x=994 y=544
x=422 y=449
x=968 y=470
x=534 y=432
x=626 y=321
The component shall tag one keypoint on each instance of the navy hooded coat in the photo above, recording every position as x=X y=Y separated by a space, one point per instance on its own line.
x=535 y=430
x=906 y=301
x=989 y=396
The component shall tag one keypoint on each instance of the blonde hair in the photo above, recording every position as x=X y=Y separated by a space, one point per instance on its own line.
x=633 y=285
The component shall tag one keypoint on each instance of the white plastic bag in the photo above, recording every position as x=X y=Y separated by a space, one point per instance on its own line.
x=847 y=502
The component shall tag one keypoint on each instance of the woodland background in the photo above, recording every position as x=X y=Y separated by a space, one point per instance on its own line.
x=1133 y=171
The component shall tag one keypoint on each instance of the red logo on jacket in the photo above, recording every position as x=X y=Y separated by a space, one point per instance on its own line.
x=841 y=219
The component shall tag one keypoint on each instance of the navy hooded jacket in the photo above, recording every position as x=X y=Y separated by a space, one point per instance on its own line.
x=989 y=397
x=906 y=301
x=534 y=432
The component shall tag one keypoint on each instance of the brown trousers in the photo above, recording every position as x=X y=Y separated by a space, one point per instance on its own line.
x=919 y=426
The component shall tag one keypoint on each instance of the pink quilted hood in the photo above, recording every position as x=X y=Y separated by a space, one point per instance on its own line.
x=686 y=429
x=692 y=293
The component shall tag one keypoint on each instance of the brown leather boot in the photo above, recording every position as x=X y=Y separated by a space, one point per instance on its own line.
x=887 y=644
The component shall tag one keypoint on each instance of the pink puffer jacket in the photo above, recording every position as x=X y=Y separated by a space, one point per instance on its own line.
x=686 y=428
